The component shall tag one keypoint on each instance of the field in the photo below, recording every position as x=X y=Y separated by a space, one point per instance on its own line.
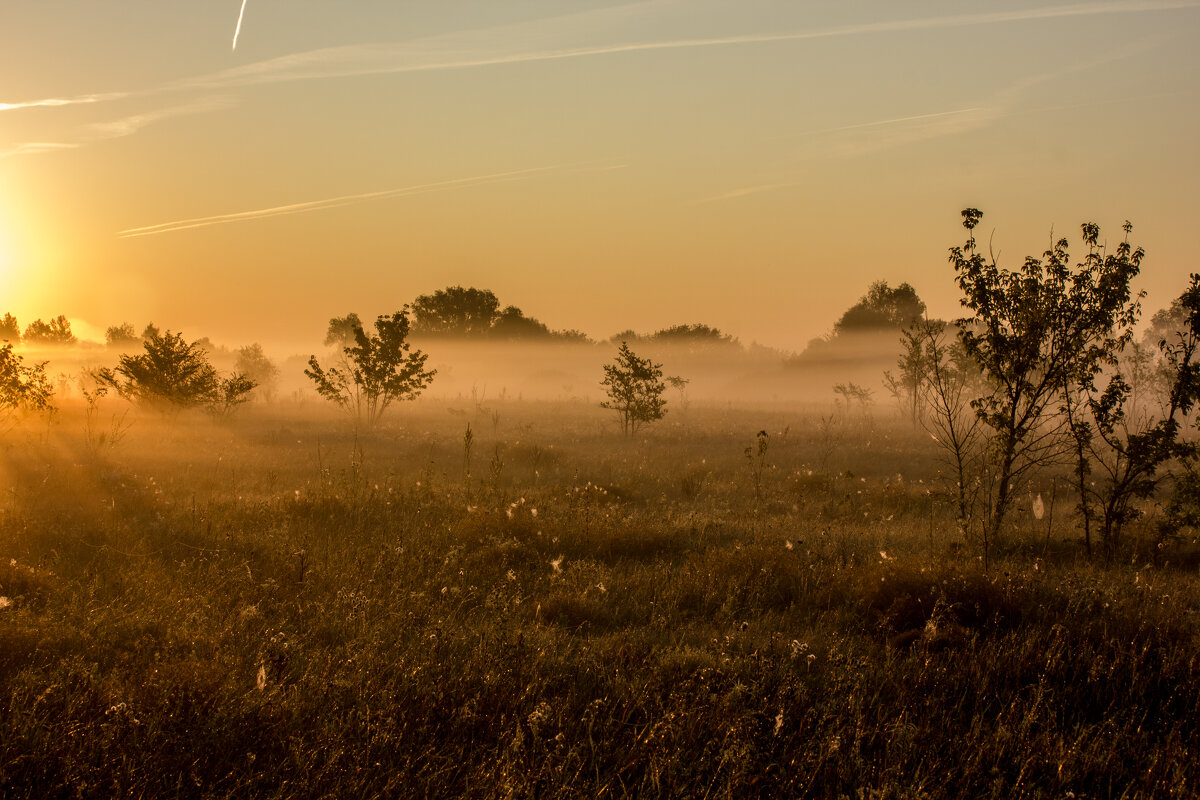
x=276 y=606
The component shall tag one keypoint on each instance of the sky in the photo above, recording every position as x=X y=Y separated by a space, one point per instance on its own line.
x=748 y=164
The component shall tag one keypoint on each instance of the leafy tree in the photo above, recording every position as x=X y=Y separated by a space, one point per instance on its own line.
x=22 y=387
x=455 y=311
x=375 y=371
x=882 y=307
x=635 y=389
x=1034 y=330
x=626 y=336
x=174 y=373
x=1128 y=448
x=341 y=330
x=123 y=335
x=151 y=331
x=693 y=335
x=572 y=335
x=511 y=323
x=55 y=332
x=253 y=363
x=9 y=329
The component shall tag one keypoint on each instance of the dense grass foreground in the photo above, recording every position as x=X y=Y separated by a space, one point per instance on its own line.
x=239 y=611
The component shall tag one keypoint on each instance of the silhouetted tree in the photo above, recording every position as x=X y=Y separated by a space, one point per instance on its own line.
x=55 y=332
x=1034 y=331
x=341 y=330
x=626 y=336
x=123 y=335
x=375 y=371
x=455 y=311
x=511 y=323
x=151 y=331
x=254 y=364
x=697 y=334
x=174 y=373
x=10 y=331
x=882 y=307
x=23 y=387
x=573 y=335
x=635 y=388
x=1128 y=448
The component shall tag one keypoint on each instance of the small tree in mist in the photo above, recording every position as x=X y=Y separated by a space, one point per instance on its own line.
x=55 y=332
x=340 y=332
x=175 y=373
x=10 y=331
x=635 y=388
x=253 y=362
x=375 y=371
x=22 y=387
x=123 y=335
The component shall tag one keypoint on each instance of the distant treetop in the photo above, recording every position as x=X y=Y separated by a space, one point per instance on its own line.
x=881 y=308
x=476 y=314
x=55 y=332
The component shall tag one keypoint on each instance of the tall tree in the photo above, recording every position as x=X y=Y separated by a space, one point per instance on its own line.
x=882 y=308
x=455 y=311
x=1033 y=331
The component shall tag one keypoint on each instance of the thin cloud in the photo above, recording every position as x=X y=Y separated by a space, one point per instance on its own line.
x=30 y=148
x=449 y=53
x=749 y=190
x=130 y=125
x=469 y=50
x=327 y=203
x=58 y=102
x=126 y=126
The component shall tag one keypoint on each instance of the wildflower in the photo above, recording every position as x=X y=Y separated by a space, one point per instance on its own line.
x=261 y=680
x=788 y=544
x=4 y=603
x=533 y=512
x=508 y=513
x=557 y=564
x=883 y=554
x=600 y=586
x=512 y=576
x=778 y=721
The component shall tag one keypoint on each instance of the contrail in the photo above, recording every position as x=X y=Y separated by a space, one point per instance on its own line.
x=238 y=29
x=320 y=205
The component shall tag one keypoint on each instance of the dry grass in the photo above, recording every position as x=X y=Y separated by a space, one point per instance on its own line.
x=271 y=608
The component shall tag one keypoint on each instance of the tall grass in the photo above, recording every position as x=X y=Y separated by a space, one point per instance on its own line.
x=227 y=610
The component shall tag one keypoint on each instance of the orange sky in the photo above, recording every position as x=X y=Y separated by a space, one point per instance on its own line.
x=748 y=164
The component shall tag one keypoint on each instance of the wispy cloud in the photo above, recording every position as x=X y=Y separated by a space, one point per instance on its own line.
x=478 y=48
x=58 y=102
x=114 y=129
x=127 y=126
x=30 y=148
x=475 y=49
x=749 y=190
x=330 y=202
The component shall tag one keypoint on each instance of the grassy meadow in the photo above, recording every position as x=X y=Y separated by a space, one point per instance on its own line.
x=276 y=606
